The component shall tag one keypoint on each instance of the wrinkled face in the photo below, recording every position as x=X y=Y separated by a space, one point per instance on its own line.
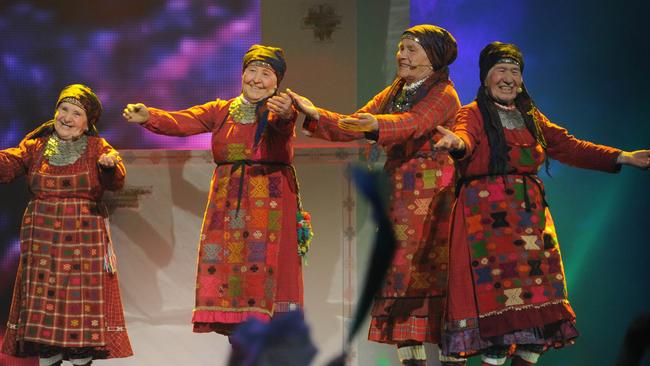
x=70 y=121
x=258 y=82
x=503 y=81
x=412 y=61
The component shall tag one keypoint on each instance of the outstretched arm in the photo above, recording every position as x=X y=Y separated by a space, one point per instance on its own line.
x=321 y=123
x=437 y=108
x=570 y=150
x=187 y=122
x=15 y=161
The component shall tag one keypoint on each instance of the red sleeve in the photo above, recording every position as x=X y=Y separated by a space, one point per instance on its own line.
x=569 y=150
x=192 y=121
x=15 y=161
x=438 y=107
x=469 y=127
x=327 y=127
x=111 y=179
x=283 y=126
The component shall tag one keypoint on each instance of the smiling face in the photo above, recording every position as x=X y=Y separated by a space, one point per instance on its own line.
x=70 y=121
x=503 y=82
x=258 y=82
x=412 y=61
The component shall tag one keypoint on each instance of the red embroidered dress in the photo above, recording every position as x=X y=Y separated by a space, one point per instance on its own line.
x=248 y=263
x=506 y=280
x=409 y=306
x=66 y=293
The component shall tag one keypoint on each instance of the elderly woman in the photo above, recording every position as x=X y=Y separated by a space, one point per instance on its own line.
x=66 y=302
x=506 y=279
x=248 y=262
x=403 y=119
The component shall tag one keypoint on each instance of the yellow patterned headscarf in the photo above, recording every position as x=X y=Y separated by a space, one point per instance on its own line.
x=83 y=97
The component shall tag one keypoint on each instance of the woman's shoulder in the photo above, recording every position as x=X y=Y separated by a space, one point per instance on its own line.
x=471 y=106
x=220 y=103
x=444 y=89
x=96 y=140
x=98 y=143
x=469 y=111
x=34 y=142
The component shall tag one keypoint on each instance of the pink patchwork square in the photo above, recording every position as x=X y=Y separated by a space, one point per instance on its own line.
x=496 y=192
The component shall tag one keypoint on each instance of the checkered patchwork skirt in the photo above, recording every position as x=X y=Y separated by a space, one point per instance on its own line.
x=64 y=295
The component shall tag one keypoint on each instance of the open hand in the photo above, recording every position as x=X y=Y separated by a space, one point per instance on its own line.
x=361 y=122
x=449 y=141
x=109 y=160
x=304 y=105
x=280 y=104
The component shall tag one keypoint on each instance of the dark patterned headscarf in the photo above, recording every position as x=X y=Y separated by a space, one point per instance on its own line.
x=495 y=53
x=441 y=49
x=439 y=45
x=271 y=56
x=81 y=96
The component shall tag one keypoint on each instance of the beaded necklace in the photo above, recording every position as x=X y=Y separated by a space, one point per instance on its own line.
x=61 y=152
x=404 y=100
x=511 y=119
x=242 y=111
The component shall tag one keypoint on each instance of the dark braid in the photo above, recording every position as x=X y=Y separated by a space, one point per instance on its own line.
x=494 y=132
x=262 y=116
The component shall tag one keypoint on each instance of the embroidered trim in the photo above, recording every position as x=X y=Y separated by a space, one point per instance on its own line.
x=403 y=101
x=281 y=307
x=414 y=85
x=74 y=101
x=115 y=329
x=242 y=111
x=108 y=328
x=61 y=153
x=411 y=37
x=524 y=307
x=511 y=119
x=232 y=310
x=260 y=63
x=507 y=60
